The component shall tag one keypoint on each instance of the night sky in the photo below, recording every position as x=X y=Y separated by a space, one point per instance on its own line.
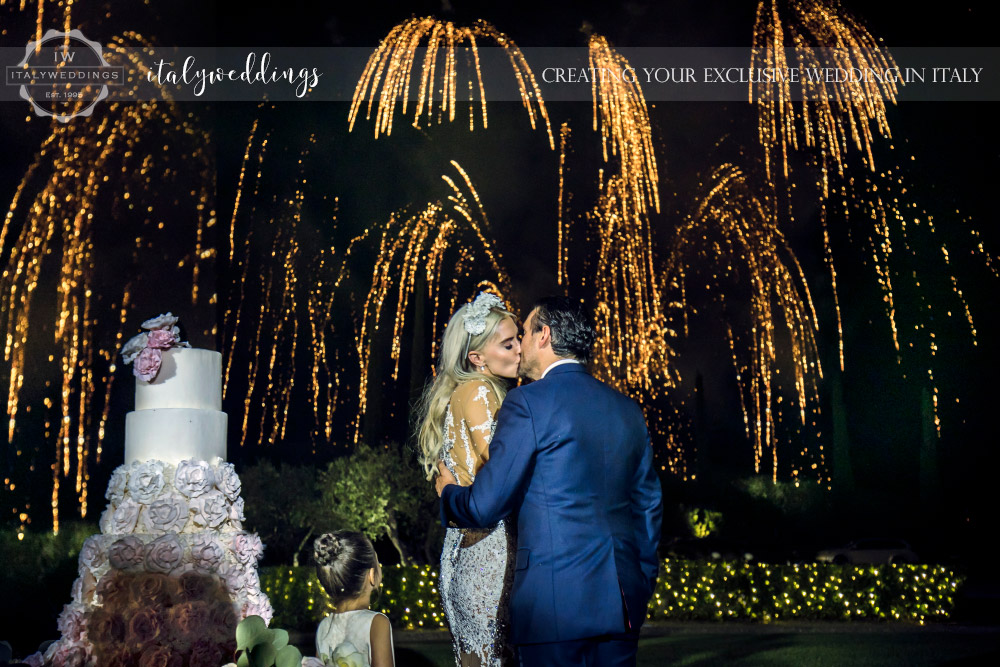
x=956 y=150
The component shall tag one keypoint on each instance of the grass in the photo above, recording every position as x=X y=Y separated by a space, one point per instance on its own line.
x=776 y=646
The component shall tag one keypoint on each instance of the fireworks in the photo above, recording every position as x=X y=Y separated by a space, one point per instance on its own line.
x=92 y=184
x=620 y=113
x=438 y=253
x=833 y=115
x=734 y=235
x=391 y=66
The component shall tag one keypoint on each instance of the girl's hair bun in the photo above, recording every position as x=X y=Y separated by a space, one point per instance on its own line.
x=326 y=549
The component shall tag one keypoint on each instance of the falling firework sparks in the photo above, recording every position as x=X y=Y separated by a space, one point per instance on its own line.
x=434 y=253
x=621 y=115
x=833 y=114
x=633 y=352
x=139 y=148
x=418 y=246
x=901 y=233
x=733 y=231
x=390 y=69
x=41 y=20
x=70 y=177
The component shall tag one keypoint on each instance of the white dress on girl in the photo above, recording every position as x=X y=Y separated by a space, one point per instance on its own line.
x=346 y=637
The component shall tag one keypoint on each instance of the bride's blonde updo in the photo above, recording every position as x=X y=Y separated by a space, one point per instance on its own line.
x=453 y=369
x=343 y=560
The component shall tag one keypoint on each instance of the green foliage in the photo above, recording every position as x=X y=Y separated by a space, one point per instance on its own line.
x=373 y=490
x=703 y=522
x=283 y=507
x=788 y=498
x=686 y=590
x=378 y=491
x=695 y=590
x=44 y=562
x=260 y=646
x=408 y=597
x=29 y=560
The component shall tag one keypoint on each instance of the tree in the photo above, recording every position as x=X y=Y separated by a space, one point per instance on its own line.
x=283 y=507
x=373 y=490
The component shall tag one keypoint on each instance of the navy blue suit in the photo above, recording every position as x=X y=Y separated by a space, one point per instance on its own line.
x=571 y=459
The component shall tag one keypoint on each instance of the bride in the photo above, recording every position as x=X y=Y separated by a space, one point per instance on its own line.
x=458 y=412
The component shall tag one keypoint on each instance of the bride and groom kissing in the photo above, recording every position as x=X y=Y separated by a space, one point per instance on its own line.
x=548 y=491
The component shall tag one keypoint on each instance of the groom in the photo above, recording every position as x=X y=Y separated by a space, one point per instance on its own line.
x=571 y=459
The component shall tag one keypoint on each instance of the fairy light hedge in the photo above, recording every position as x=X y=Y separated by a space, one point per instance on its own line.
x=686 y=590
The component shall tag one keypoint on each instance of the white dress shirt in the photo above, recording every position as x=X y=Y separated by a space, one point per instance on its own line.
x=558 y=363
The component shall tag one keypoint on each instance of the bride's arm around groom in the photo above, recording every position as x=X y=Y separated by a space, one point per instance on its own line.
x=571 y=460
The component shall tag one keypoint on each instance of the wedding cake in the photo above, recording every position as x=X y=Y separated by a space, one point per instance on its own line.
x=172 y=570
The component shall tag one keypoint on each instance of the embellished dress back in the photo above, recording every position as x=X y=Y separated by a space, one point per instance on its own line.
x=477 y=566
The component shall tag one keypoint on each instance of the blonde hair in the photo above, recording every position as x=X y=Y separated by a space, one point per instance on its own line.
x=454 y=368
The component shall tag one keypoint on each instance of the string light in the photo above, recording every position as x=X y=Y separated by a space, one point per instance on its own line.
x=685 y=590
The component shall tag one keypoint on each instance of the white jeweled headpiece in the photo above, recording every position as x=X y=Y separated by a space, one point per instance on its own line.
x=475 y=315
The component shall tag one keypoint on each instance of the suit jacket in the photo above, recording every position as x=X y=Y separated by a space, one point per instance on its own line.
x=571 y=459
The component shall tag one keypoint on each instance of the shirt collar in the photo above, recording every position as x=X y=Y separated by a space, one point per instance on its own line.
x=558 y=363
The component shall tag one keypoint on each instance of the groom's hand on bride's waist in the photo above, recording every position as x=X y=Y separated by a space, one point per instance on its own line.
x=444 y=478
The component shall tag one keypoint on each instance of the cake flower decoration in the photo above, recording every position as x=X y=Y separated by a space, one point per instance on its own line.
x=145 y=351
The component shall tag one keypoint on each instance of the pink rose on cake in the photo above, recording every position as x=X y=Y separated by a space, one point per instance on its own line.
x=92 y=554
x=144 y=626
x=160 y=656
x=105 y=627
x=133 y=347
x=193 y=478
x=70 y=623
x=144 y=351
x=166 y=514
x=236 y=513
x=206 y=553
x=147 y=364
x=84 y=588
x=247 y=547
x=228 y=481
x=64 y=653
x=35 y=660
x=146 y=481
x=234 y=576
x=117 y=485
x=164 y=554
x=162 y=339
x=205 y=653
x=258 y=605
x=121 y=519
x=113 y=589
x=223 y=620
x=126 y=553
x=167 y=321
x=210 y=509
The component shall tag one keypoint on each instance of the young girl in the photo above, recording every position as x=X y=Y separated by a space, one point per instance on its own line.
x=349 y=571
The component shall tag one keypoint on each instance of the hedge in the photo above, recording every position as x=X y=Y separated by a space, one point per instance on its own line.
x=686 y=590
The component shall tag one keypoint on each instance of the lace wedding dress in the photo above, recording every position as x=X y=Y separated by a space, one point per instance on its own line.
x=477 y=566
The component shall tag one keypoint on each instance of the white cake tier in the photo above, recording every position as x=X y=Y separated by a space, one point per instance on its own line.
x=174 y=434
x=188 y=378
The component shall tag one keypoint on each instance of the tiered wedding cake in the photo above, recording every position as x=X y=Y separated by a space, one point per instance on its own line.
x=172 y=569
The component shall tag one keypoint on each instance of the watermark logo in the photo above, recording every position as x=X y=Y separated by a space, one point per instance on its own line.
x=64 y=75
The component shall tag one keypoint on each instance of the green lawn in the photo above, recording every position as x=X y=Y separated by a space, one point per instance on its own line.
x=776 y=646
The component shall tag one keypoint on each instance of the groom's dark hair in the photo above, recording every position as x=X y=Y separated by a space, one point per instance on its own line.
x=572 y=333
